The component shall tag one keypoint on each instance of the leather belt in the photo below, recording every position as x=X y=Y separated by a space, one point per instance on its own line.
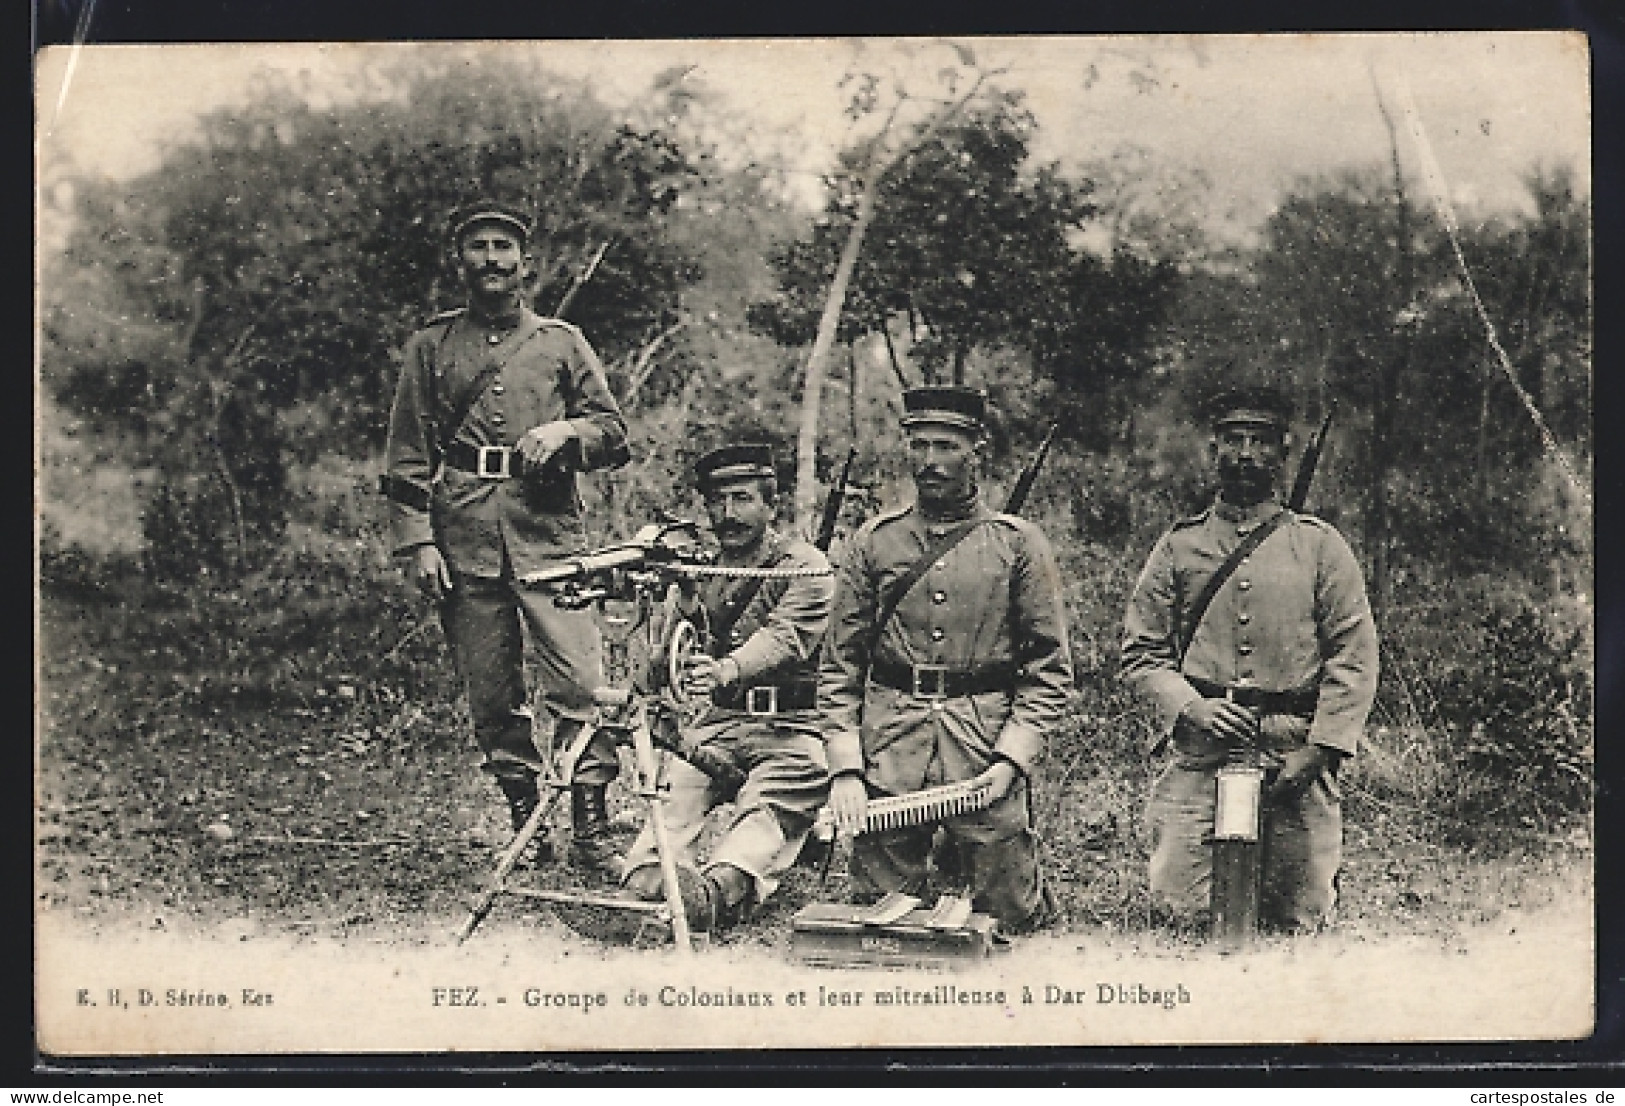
x=490 y=462
x=767 y=699
x=1300 y=702
x=937 y=681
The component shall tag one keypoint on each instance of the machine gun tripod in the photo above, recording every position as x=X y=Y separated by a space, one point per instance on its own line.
x=632 y=591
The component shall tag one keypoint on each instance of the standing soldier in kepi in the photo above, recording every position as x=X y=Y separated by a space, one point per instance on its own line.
x=946 y=661
x=496 y=411
x=1282 y=662
x=762 y=635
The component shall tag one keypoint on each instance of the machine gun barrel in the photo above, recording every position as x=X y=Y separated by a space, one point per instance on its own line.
x=579 y=568
x=657 y=542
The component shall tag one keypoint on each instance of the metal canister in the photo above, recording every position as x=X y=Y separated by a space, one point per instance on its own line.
x=1237 y=851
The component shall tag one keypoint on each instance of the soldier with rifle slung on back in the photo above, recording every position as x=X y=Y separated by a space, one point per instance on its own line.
x=1250 y=635
x=946 y=661
x=496 y=412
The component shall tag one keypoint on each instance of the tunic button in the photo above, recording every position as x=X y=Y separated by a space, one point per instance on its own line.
x=938 y=634
x=1244 y=618
x=942 y=564
x=497 y=418
x=493 y=338
x=496 y=390
x=939 y=597
x=1244 y=649
x=1245 y=585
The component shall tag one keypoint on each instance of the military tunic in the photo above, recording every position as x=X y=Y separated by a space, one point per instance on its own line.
x=1293 y=619
x=991 y=603
x=491 y=530
x=773 y=640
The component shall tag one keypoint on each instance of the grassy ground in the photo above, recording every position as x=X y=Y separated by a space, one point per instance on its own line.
x=290 y=756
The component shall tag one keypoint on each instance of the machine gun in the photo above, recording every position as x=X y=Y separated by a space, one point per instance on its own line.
x=636 y=589
x=618 y=571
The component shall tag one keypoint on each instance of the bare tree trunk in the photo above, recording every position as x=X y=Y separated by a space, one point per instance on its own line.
x=643 y=364
x=234 y=494
x=580 y=279
x=852 y=393
x=1481 y=477
x=806 y=502
x=879 y=162
x=1394 y=355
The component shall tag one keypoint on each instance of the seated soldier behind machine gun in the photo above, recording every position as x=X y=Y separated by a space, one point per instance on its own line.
x=760 y=638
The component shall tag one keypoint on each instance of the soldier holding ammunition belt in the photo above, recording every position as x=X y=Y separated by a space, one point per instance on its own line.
x=757 y=669
x=496 y=411
x=946 y=661
x=1283 y=662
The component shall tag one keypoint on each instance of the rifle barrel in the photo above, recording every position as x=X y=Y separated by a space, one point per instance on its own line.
x=832 y=505
x=1308 y=463
x=1029 y=474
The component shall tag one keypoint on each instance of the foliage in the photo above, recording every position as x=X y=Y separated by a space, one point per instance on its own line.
x=970 y=249
x=1521 y=714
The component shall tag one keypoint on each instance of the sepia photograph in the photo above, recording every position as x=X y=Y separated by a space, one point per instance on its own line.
x=866 y=543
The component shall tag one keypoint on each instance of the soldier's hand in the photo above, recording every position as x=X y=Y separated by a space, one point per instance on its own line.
x=429 y=574
x=1299 y=769
x=849 y=802
x=705 y=675
x=1223 y=720
x=539 y=443
x=999 y=777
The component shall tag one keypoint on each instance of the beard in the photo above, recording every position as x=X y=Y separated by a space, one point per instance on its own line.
x=1245 y=484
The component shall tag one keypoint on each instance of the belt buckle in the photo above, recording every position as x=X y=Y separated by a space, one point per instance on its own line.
x=482 y=465
x=921 y=688
x=767 y=702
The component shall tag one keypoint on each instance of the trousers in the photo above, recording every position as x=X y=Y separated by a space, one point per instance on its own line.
x=1302 y=845
x=482 y=620
x=997 y=846
x=786 y=782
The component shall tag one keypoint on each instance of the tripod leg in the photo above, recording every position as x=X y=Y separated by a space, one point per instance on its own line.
x=648 y=773
x=499 y=878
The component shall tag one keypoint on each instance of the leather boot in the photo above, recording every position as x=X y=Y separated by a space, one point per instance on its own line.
x=523 y=798
x=731 y=891
x=592 y=851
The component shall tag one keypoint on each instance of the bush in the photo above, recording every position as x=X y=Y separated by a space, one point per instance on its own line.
x=1483 y=730
x=1521 y=713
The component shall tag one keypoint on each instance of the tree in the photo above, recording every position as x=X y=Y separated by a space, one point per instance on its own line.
x=866 y=164
x=1456 y=454
x=971 y=248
